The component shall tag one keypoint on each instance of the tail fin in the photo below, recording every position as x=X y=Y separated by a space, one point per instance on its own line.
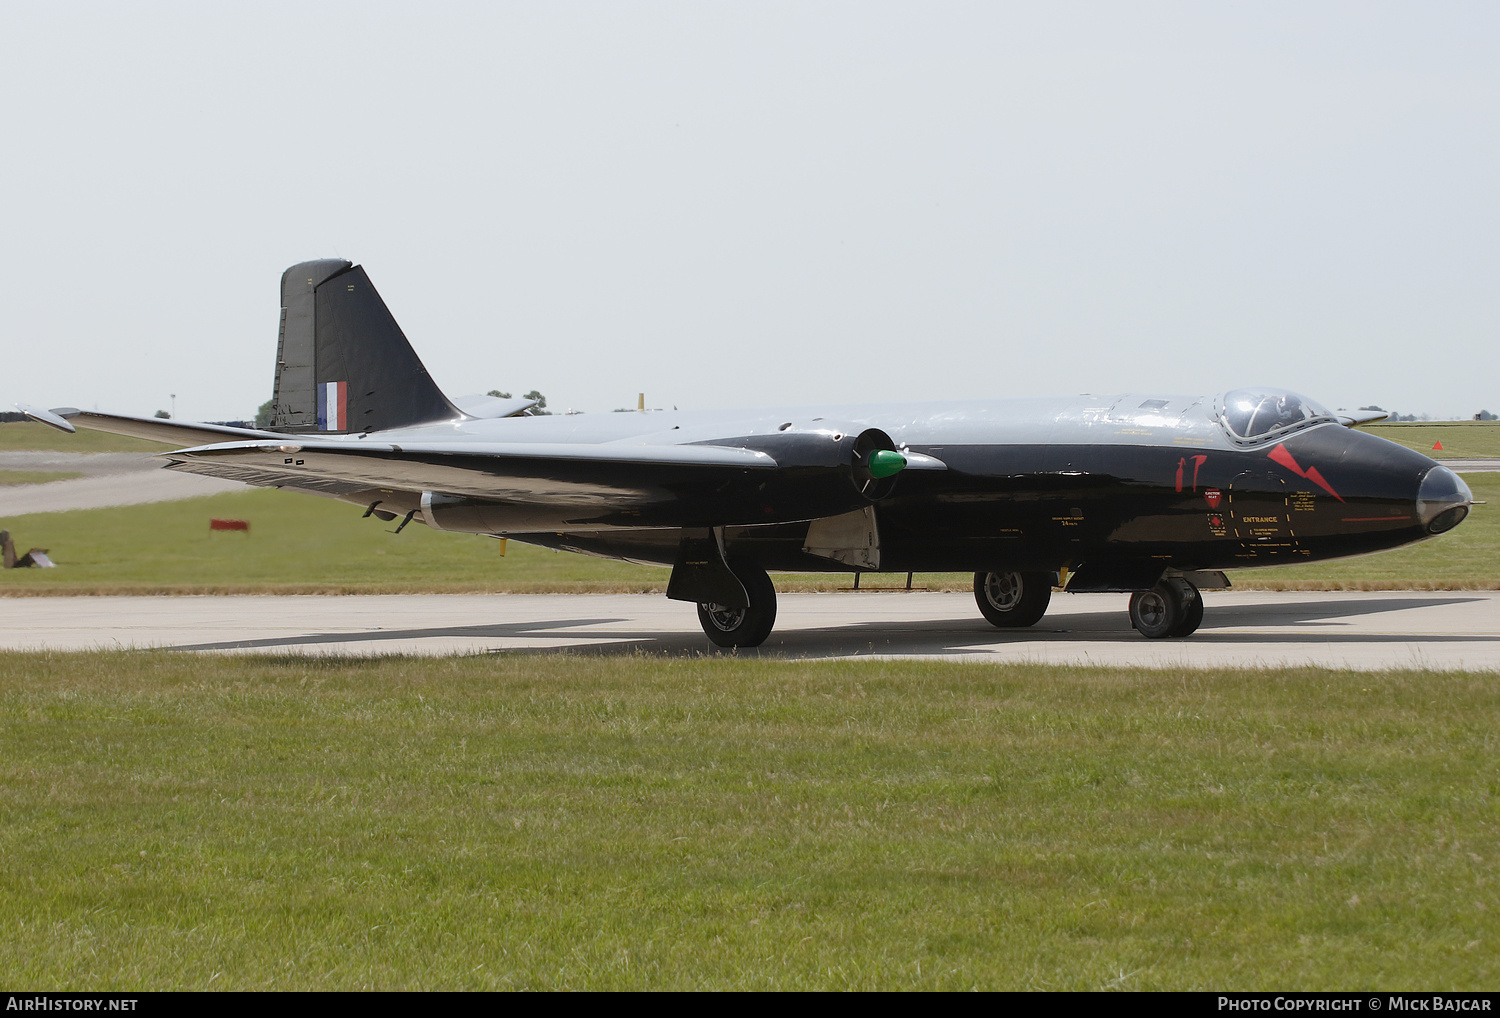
x=342 y=363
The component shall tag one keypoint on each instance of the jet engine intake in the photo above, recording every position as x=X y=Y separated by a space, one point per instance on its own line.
x=877 y=463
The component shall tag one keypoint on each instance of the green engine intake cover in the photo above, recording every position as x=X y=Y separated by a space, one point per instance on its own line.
x=885 y=463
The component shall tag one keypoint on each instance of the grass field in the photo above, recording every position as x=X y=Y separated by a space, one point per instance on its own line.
x=298 y=544
x=35 y=476
x=31 y=436
x=1460 y=439
x=550 y=822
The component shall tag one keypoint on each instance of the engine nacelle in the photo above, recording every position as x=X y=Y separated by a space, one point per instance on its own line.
x=822 y=469
x=866 y=458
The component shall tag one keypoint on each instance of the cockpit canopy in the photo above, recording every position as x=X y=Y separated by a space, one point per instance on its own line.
x=1253 y=415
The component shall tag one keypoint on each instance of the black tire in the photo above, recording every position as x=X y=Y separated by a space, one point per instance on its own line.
x=1013 y=599
x=1192 y=613
x=742 y=627
x=1171 y=608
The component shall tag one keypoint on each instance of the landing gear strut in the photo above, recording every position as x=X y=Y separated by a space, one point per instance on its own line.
x=1013 y=599
x=742 y=627
x=1171 y=608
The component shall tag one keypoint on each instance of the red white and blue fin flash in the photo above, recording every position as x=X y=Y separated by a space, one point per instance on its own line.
x=333 y=406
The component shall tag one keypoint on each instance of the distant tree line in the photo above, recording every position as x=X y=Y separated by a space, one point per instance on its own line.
x=537 y=411
x=1483 y=415
x=263 y=416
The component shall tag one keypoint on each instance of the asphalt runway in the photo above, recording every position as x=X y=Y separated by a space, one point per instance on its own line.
x=1367 y=630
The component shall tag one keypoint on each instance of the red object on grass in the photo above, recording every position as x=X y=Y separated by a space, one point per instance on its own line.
x=229 y=525
x=1437 y=445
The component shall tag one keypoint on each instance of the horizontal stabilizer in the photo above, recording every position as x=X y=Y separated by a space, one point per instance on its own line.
x=494 y=406
x=1354 y=418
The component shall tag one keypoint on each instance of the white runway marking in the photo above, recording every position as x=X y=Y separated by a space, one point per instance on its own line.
x=1441 y=629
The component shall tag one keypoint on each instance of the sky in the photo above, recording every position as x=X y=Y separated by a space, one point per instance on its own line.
x=730 y=204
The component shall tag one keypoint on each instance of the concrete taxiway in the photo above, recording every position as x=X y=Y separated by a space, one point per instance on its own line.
x=110 y=479
x=1379 y=630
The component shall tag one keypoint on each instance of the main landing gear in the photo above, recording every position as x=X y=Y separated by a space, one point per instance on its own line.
x=742 y=627
x=1013 y=598
x=1171 y=608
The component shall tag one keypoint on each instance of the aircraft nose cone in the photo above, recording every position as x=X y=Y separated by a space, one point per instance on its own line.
x=1443 y=500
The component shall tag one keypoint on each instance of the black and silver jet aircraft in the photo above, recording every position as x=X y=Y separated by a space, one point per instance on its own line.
x=1148 y=495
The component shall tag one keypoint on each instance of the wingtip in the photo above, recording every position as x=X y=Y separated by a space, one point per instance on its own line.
x=52 y=418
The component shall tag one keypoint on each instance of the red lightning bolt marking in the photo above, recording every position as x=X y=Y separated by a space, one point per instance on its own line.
x=1282 y=456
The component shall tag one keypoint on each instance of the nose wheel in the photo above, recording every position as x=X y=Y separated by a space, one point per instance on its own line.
x=1172 y=608
x=742 y=627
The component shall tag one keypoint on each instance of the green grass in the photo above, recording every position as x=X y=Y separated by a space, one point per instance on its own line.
x=593 y=822
x=1460 y=439
x=35 y=476
x=29 y=435
x=298 y=544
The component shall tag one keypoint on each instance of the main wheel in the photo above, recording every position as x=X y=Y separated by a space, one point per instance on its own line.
x=1192 y=613
x=742 y=627
x=1013 y=599
x=1171 y=608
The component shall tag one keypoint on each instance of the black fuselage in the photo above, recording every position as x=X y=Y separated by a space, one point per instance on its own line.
x=1325 y=492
